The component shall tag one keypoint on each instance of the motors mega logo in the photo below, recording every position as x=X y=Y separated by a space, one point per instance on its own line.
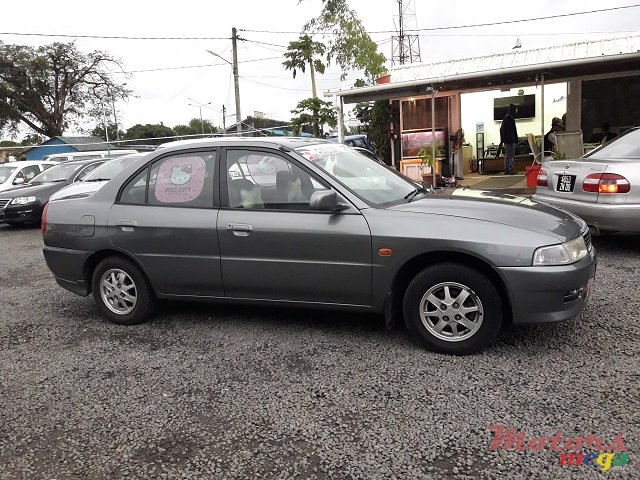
x=610 y=455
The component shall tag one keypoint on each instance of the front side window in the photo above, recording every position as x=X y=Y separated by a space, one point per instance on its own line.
x=371 y=181
x=184 y=180
x=5 y=173
x=258 y=179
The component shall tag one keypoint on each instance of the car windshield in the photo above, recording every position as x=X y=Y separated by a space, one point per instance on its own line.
x=109 y=169
x=371 y=181
x=5 y=171
x=57 y=173
x=624 y=147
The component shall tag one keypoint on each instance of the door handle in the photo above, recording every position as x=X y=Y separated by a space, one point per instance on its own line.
x=127 y=225
x=240 y=229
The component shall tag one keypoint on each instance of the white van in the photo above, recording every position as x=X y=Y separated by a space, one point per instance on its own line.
x=69 y=156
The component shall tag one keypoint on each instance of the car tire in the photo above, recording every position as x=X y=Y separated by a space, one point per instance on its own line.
x=440 y=322
x=122 y=292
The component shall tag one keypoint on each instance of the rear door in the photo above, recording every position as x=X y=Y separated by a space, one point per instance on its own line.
x=165 y=216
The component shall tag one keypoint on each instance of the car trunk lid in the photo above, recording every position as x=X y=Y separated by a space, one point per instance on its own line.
x=566 y=179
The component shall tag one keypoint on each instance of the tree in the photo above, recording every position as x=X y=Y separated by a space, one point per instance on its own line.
x=149 y=131
x=350 y=45
x=54 y=86
x=98 y=131
x=375 y=118
x=299 y=54
x=195 y=128
x=313 y=113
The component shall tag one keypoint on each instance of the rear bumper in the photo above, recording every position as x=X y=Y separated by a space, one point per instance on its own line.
x=619 y=217
x=67 y=267
x=549 y=294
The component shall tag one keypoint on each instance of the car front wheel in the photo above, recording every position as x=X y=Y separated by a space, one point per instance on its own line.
x=122 y=292
x=452 y=308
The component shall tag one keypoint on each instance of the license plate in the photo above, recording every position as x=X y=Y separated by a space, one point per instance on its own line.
x=566 y=183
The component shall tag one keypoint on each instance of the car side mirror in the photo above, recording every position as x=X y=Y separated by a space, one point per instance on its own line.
x=326 y=201
x=18 y=181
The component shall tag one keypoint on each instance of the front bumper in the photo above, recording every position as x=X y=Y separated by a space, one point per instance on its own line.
x=67 y=266
x=549 y=294
x=619 y=217
x=15 y=214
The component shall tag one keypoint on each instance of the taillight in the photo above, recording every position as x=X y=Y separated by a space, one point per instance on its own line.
x=606 y=183
x=541 y=181
x=43 y=222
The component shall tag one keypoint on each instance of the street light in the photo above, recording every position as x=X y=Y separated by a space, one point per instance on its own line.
x=236 y=83
x=199 y=105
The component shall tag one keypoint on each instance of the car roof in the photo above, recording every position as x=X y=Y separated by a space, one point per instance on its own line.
x=290 y=142
x=27 y=162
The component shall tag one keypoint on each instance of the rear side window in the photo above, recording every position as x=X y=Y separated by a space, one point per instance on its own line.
x=184 y=180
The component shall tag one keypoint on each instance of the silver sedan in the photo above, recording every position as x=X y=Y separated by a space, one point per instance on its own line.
x=603 y=187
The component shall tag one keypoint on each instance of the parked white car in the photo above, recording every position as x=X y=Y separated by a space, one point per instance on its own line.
x=13 y=174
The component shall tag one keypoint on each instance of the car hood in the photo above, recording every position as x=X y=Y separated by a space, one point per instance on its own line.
x=78 y=189
x=499 y=208
x=42 y=190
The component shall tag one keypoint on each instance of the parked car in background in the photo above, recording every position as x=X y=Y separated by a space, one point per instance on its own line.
x=71 y=156
x=358 y=140
x=13 y=174
x=310 y=222
x=602 y=187
x=96 y=179
x=24 y=204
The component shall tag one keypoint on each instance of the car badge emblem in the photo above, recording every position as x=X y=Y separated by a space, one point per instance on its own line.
x=566 y=166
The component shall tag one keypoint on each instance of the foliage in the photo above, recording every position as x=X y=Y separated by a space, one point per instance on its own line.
x=313 y=113
x=349 y=44
x=300 y=53
x=426 y=154
x=32 y=139
x=195 y=128
x=149 y=131
x=8 y=143
x=559 y=156
x=52 y=87
x=98 y=131
x=375 y=118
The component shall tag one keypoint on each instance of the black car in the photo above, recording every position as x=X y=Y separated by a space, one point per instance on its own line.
x=24 y=204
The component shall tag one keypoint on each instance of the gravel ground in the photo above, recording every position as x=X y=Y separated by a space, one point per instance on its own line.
x=206 y=391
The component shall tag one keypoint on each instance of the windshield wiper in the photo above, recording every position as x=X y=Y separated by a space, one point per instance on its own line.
x=411 y=195
x=97 y=180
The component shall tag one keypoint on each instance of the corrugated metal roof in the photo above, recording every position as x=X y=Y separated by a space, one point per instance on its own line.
x=613 y=56
x=518 y=58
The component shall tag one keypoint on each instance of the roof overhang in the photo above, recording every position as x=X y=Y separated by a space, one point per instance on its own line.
x=553 y=72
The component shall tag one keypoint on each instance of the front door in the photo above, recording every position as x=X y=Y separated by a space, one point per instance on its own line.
x=273 y=246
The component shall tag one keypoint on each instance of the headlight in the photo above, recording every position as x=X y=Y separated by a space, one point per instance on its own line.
x=23 y=200
x=562 y=254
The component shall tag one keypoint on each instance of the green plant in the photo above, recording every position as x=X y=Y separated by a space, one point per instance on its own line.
x=559 y=156
x=426 y=154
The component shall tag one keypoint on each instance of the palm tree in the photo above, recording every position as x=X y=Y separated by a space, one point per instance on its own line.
x=300 y=53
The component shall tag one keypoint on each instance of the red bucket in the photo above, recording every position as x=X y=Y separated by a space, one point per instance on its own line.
x=531 y=172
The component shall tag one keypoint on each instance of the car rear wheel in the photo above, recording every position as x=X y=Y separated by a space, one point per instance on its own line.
x=452 y=308
x=122 y=292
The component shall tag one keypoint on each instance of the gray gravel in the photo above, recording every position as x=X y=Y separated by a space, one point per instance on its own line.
x=207 y=391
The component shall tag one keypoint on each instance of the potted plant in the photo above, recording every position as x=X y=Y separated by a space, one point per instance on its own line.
x=426 y=158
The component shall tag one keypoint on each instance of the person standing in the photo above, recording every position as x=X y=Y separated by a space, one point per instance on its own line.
x=509 y=138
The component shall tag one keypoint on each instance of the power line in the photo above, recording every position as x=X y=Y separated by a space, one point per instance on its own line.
x=110 y=37
x=505 y=22
x=197 y=66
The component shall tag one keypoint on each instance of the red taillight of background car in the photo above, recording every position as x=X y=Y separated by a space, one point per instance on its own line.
x=606 y=183
x=43 y=222
x=541 y=181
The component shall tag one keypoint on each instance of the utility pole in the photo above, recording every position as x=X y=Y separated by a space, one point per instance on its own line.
x=224 y=121
x=234 y=44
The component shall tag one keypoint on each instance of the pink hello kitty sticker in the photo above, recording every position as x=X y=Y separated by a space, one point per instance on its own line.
x=180 y=179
